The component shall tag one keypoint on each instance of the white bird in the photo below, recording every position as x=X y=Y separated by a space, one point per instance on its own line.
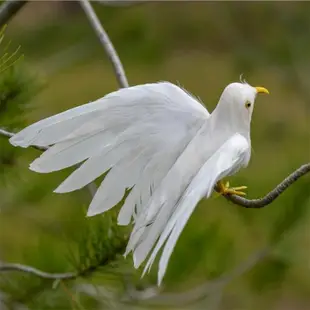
x=156 y=139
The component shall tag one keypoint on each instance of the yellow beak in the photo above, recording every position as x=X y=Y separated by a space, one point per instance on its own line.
x=262 y=90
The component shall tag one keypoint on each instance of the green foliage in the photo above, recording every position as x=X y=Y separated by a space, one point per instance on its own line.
x=100 y=243
x=7 y=59
x=17 y=88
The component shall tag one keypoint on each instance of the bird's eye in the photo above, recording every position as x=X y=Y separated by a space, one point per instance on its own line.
x=248 y=104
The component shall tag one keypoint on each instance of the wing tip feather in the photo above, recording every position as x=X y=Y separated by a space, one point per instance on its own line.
x=92 y=212
x=35 y=166
x=17 y=141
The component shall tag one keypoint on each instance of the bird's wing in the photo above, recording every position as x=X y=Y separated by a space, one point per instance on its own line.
x=172 y=211
x=138 y=131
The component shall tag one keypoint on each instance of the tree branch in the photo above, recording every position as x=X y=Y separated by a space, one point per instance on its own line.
x=272 y=195
x=106 y=43
x=152 y=295
x=8 y=9
x=108 y=257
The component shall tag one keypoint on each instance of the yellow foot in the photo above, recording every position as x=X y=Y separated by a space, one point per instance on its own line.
x=224 y=189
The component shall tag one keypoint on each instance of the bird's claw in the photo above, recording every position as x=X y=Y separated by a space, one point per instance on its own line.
x=224 y=189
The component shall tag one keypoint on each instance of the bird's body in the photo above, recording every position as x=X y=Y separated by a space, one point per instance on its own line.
x=157 y=140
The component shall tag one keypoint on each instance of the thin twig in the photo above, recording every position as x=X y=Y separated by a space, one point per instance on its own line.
x=15 y=267
x=37 y=272
x=105 y=42
x=8 y=9
x=272 y=195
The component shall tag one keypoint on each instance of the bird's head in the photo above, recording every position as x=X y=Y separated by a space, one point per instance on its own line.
x=237 y=102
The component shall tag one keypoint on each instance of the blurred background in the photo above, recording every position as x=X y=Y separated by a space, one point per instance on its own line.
x=203 y=46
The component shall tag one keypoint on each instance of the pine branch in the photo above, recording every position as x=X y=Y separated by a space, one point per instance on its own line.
x=85 y=272
x=8 y=9
x=152 y=295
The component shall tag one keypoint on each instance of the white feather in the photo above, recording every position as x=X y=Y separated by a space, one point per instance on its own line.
x=161 y=116
x=68 y=153
x=163 y=201
x=127 y=104
x=165 y=196
x=149 y=179
x=228 y=157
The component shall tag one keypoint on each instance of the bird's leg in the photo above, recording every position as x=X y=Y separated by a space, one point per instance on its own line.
x=224 y=189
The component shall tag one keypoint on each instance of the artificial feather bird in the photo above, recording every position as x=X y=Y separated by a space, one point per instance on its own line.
x=157 y=140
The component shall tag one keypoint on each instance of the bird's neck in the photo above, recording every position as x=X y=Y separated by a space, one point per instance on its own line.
x=223 y=118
